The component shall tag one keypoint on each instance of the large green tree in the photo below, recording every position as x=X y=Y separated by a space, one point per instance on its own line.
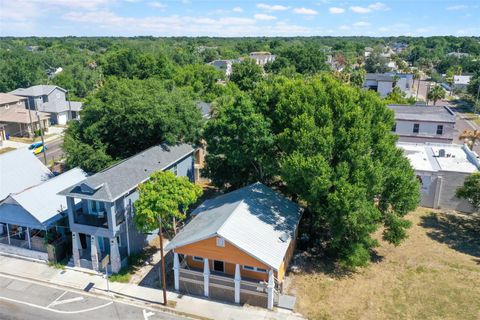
x=126 y=116
x=246 y=74
x=435 y=94
x=334 y=150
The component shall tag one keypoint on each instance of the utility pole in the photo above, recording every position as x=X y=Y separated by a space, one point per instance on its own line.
x=162 y=277
x=30 y=117
x=41 y=134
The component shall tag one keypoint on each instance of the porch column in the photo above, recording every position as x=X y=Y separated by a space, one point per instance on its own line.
x=176 y=271
x=237 y=280
x=94 y=252
x=206 y=277
x=115 y=260
x=76 y=248
x=270 y=288
x=28 y=239
x=8 y=233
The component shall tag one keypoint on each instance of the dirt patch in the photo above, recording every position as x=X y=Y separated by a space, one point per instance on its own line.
x=434 y=274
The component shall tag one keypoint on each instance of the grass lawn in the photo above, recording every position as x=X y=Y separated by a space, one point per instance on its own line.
x=434 y=274
x=6 y=149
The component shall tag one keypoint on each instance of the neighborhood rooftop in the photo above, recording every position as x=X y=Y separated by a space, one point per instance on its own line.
x=35 y=207
x=113 y=182
x=20 y=169
x=423 y=113
x=7 y=98
x=255 y=218
x=38 y=90
x=429 y=157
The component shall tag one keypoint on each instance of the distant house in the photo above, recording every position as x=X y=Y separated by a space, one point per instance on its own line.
x=100 y=208
x=458 y=54
x=423 y=123
x=52 y=100
x=19 y=170
x=399 y=47
x=441 y=169
x=17 y=119
x=223 y=65
x=262 y=57
x=461 y=82
x=383 y=83
x=35 y=216
x=237 y=247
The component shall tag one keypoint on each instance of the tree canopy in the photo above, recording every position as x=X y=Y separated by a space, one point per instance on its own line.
x=471 y=190
x=331 y=145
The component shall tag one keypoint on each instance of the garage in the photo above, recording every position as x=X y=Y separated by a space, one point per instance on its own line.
x=62 y=118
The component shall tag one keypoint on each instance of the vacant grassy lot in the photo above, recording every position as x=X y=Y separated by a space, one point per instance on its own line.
x=434 y=274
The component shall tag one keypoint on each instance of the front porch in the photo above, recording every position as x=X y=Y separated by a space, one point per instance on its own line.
x=223 y=286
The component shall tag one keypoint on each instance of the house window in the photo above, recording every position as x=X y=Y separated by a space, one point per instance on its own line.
x=97 y=206
x=220 y=242
x=439 y=129
x=255 y=269
x=119 y=241
x=416 y=127
x=199 y=259
x=394 y=129
x=45 y=98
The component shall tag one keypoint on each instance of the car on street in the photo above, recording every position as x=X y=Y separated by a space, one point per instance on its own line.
x=40 y=149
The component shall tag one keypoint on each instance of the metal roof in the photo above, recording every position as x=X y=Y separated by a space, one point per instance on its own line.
x=40 y=205
x=113 y=182
x=255 y=219
x=19 y=170
x=423 y=113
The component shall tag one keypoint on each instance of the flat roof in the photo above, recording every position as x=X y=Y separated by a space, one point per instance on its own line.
x=428 y=157
x=422 y=113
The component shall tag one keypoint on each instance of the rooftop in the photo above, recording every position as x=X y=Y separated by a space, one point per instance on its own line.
x=21 y=115
x=423 y=113
x=34 y=91
x=38 y=205
x=256 y=219
x=19 y=170
x=7 y=98
x=429 y=157
x=113 y=182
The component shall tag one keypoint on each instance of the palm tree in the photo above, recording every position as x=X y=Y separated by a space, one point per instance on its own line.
x=437 y=93
x=470 y=137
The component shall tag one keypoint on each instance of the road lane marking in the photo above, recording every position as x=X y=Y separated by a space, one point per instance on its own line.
x=57 y=299
x=56 y=303
x=54 y=310
x=147 y=314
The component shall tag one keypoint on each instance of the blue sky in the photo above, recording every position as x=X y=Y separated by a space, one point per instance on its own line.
x=238 y=18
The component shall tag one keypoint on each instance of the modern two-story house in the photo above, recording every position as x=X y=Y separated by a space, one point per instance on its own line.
x=100 y=208
x=52 y=100
x=423 y=123
x=383 y=83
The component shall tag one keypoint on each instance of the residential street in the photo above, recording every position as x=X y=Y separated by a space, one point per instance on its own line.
x=21 y=299
x=54 y=151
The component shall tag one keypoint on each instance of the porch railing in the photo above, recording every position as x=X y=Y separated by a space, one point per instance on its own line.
x=80 y=217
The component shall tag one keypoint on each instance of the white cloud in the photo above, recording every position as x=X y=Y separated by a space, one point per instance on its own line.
x=158 y=5
x=457 y=7
x=237 y=9
x=304 y=11
x=377 y=6
x=344 y=27
x=264 y=17
x=336 y=10
x=268 y=7
x=361 y=24
x=383 y=29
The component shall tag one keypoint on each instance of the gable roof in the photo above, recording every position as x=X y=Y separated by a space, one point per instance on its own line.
x=7 y=98
x=21 y=115
x=423 y=113
x=19 y=170
x=39 y=205
x=255 y=219
x=113 y=182
x=38 y=90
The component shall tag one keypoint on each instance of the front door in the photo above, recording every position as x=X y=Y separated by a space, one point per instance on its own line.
x=83 y=240
x=218 y=266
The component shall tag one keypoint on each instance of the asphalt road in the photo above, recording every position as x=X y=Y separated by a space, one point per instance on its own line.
x=54 y=151
x=21 y=299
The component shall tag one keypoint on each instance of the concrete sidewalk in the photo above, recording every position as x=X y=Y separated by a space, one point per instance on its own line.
x=187 y=305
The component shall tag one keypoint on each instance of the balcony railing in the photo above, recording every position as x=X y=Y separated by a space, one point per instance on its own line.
x=91 y=220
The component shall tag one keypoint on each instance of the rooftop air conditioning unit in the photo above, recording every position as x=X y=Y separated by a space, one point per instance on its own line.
x=441 y=153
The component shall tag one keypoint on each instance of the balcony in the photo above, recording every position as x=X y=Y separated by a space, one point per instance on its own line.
x=100 y=220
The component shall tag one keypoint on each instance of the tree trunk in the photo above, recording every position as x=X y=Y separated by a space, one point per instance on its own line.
x=162 y=278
